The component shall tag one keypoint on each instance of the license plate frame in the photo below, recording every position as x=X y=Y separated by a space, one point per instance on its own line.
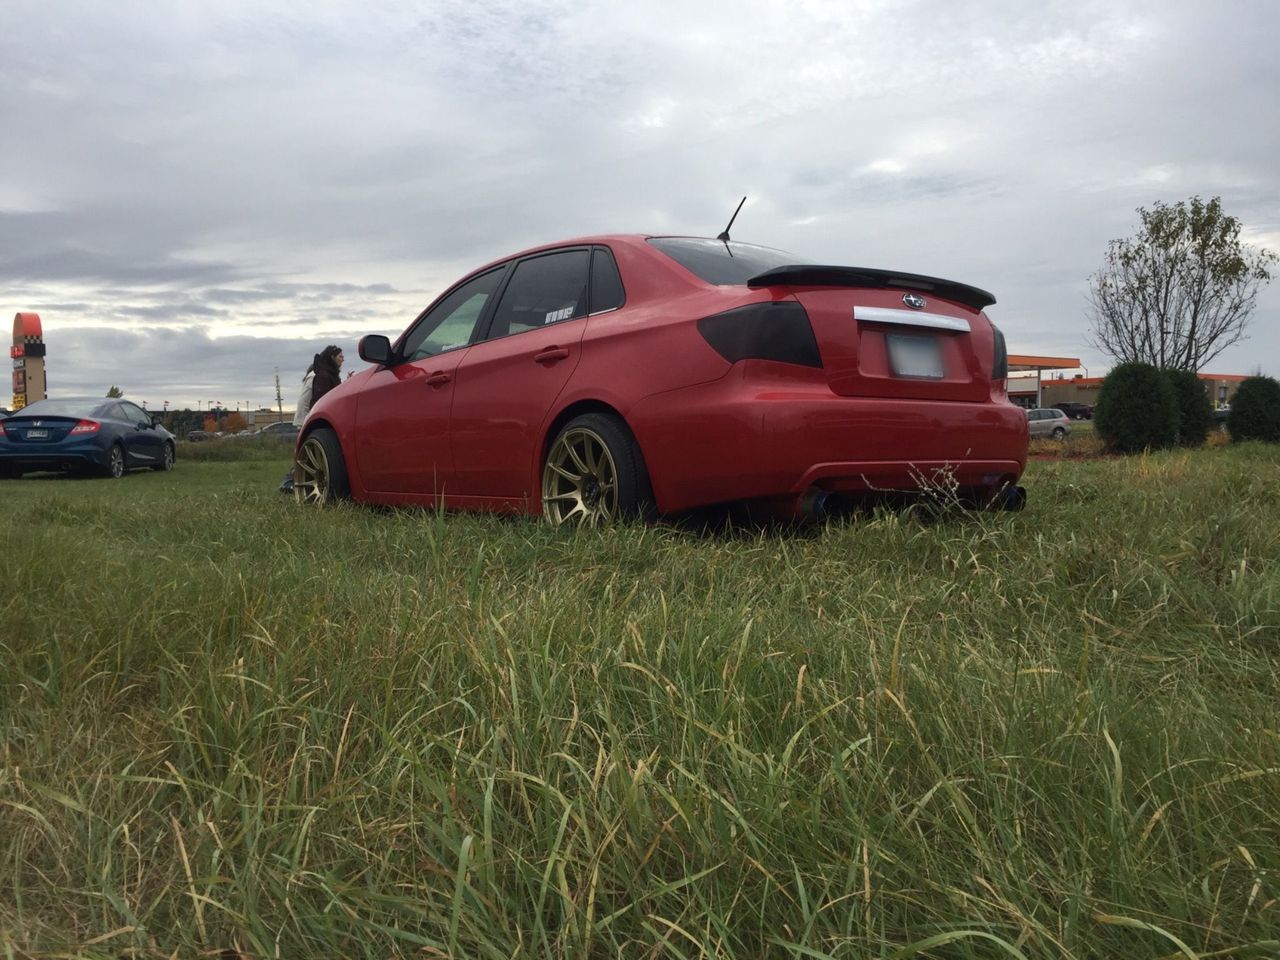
x=37 y=433
x=914 y=357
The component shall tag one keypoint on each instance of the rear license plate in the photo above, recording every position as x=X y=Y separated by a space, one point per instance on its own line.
x=919 y=357
x=37 y=434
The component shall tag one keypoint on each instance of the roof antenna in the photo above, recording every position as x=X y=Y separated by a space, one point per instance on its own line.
x=724 y=234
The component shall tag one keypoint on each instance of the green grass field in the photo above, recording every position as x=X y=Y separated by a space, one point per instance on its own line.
x=230 y=724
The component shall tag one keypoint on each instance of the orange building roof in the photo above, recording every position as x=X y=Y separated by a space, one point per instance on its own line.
x=1029 y=361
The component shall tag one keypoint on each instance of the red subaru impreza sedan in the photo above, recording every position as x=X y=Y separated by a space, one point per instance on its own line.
x=621 y=376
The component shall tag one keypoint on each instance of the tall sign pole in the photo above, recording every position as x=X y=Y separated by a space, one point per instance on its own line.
x=27 y=355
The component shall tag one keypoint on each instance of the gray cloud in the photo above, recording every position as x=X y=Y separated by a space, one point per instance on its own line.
x=325 y=171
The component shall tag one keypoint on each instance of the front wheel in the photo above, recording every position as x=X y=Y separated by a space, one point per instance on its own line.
x=594 y=474
x=320 y=471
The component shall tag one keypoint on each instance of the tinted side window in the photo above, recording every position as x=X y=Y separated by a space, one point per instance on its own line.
x=135 y=414
x=452 y=321
x=543 y=290
x=113 y=411
x=606 y=283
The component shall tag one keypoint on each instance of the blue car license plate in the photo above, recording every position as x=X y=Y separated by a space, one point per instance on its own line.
x=918 y=357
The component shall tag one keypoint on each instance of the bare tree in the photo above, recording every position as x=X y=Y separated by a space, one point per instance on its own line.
x=1181 y=291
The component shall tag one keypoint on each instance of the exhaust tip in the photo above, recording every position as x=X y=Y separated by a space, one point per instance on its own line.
x=1011 y=498
x=815 y=504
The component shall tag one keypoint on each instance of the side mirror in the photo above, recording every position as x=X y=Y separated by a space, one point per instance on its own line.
x=156 y=420
x=375 y=348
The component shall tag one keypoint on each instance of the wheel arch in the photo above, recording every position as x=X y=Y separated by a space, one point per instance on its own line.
x=576 y=409
x=354 y=478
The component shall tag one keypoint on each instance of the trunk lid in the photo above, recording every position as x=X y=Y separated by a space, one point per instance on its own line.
x=894 y=335
x=37 y=430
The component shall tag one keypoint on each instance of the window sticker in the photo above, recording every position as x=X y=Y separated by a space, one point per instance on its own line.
x=555 y=316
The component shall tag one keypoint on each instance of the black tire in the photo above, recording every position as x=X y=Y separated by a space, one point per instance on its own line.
x=1059 y=433
x=10 y=473
x=634 y=492
x=115 y=468
x=167 y=459
x=321 y=447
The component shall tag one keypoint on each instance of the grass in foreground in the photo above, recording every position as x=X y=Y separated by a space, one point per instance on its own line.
x=232 y=724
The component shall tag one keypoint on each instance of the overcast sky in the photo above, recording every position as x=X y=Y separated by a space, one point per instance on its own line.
x=193 y=194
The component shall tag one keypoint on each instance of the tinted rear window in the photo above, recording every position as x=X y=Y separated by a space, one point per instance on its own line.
x=59 y=408
x=724 y=264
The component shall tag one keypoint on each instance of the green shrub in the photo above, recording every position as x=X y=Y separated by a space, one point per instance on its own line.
x=1255 y=410
x=1136 y=409
x=1194 y=409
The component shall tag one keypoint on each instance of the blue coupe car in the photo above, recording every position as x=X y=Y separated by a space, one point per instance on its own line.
x=91 y=434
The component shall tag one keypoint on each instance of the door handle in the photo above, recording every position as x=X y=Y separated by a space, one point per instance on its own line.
x=438 y=379
x=551 y=355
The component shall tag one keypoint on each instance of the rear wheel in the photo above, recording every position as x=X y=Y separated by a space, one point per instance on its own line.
x=166 y=459
x=594 y=474
x=320 y=471
x=1059 y=433
x=115 y=462
x=8 y=472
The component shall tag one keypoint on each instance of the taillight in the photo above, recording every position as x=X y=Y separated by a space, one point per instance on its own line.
x=1000 y=362
x=85 y=426
x=763 y=331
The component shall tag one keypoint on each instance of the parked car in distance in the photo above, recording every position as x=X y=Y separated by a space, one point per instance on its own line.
x=4 y=412
x=1076 y=411
x=198 y=436
x=284 y=430
x=1048 y=422
x=94 y=433
x=1218 y=419
x=619 y=376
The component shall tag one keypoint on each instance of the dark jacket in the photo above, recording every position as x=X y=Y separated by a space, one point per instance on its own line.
x=326 y=379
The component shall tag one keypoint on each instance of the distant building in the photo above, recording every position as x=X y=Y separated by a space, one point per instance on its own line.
x=1036 y=381
x=1220 y=387
x=1026 y=375
x=262 y=417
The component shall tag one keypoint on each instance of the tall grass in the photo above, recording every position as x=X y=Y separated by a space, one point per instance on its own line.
x=230 y=724
x=235 y=448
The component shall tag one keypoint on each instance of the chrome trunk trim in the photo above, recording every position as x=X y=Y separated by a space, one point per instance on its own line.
x=910 y=318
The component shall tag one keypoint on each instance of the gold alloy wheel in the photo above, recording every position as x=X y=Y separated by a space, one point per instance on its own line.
x=311 y=473
x=580 y=480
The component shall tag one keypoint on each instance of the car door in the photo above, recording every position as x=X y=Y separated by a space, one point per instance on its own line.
x=509 y=380
x=402 y=416
x=144 y=444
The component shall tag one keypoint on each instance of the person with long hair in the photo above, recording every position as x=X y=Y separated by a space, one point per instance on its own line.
x=321 y=377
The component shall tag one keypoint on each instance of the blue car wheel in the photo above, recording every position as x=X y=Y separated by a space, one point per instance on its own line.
x=115 y=462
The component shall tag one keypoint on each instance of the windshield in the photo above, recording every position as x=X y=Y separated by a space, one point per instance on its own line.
x=724 y=264
x=60 y=408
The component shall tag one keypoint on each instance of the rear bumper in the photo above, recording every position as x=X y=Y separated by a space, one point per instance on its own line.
x=744 y=437
x=60 y=459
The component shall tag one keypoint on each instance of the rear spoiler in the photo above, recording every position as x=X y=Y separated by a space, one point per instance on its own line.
x=816 y=275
